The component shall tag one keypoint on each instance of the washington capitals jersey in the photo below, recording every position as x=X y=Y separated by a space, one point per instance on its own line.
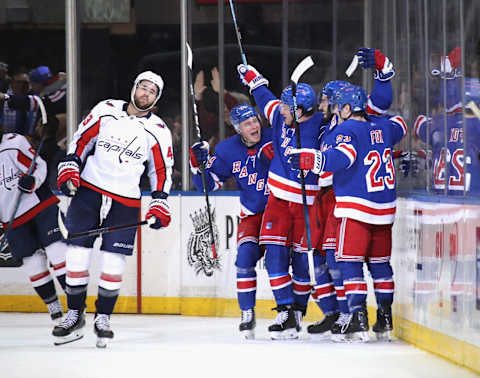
x=16 y=156
x=283 y=181
x=117 y=148
x=233 y=158
x=378 y=103
x=363 y=170
x=452 y=164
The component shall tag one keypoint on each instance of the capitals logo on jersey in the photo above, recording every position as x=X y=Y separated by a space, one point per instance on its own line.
x=199 y=252
x=6 y=258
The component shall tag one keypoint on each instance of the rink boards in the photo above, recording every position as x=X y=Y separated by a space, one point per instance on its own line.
x=436 y=260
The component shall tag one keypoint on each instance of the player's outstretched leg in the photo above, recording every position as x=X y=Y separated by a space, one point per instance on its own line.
x=384 y=325
x=56 y=311
x=101 y=327
x=71 y=328
x=247 y=324
x=357 y=329
x=284 y=326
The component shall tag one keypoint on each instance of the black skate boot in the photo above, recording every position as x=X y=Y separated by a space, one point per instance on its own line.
x=322 y=328
x=339 y=328
x=299 y=311
x=70 y=329
x=101 y=326
x=247 y=325
x=284 y=326
x=384 y=324
x=56 y=311
x=357 y=329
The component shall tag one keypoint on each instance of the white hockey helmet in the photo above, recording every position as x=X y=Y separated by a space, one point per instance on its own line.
x=150 y=76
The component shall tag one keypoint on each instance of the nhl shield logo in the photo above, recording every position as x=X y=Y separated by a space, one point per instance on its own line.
x=199 y=251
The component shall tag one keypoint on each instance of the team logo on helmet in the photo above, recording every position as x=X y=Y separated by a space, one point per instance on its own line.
x=199 y=252
x=353 y=95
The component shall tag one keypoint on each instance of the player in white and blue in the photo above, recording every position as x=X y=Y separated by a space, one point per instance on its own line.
x=245 y=156
x=364 y=185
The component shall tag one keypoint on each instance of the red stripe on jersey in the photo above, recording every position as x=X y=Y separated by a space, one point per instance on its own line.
x=365 y=209
x=402 y=123
x=23 y=159
x=372 y=111
x=325 y=289
x=277 y=281
x=355 y=286
x=159 y=166
x=82 y=274
x=418 y=122
x=247 y=284
x=130 y=202
x=289 y=188
x=39 y=276
x=111 y=277
x=340 y=293
x=59 y=265
x=269 y=110
x=350 y=149
x=86 y=137
x=383 y=285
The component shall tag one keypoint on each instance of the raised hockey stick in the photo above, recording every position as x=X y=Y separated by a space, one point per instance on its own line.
x=98 y=231
x=239 y=36
x=474 y=108
x=199 y=137
x=43 y=114
x=352 y=67
x=303 y=66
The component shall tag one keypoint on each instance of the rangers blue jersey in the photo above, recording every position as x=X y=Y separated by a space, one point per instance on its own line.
x=378 y=103
x=364 y=174
x=233 y=158
x=452 y=164
x=283 y=181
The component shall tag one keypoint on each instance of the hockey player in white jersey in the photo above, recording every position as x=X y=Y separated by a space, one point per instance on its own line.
x=33 y=236
x=109 y=152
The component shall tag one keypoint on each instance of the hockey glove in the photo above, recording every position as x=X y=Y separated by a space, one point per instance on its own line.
x=372 y=58
x=26 y=184
x=198 y=155
x=307 y=159
x=159 y=209
x=251 y=77
x=68 y=179
x=408 y=164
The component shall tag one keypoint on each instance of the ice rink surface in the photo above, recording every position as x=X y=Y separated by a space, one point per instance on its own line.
x=177 y=346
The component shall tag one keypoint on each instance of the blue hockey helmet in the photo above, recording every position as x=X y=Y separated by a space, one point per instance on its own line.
x=40 y=75
x=241 y=113
x=305 y=97
x=353 y=95
x=331 y=88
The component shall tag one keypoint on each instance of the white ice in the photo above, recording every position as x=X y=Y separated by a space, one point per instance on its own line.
x=178 y=346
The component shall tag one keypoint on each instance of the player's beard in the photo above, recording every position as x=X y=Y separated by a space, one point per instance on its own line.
x=142 y=104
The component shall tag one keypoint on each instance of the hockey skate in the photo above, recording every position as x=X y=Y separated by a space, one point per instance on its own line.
x=357 y=329
x=247 y=324
x=101 y=326
x=322 y=328
x=284 y=326
x=300 y=312
x=384 y=324
x=56 y=311
x=339 y=328
x=70 y=329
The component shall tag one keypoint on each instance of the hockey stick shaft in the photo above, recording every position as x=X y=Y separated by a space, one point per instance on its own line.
x=237 y=32
x=29 y=172
x=203 y=173
x=303 y=66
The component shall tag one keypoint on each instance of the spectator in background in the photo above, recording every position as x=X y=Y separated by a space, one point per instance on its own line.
x=4 y=78
x=207 y=104
x=14 y=119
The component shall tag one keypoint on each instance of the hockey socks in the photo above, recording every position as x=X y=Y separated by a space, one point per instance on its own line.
x=337 y=278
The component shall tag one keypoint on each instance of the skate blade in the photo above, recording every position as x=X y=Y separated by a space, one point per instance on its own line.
x=339 y=337
x=248 y=334
x=360 y=337
x=102 y=342
x=288 y=334
x=321 y=336
x=74 y=336
x=384 y=336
